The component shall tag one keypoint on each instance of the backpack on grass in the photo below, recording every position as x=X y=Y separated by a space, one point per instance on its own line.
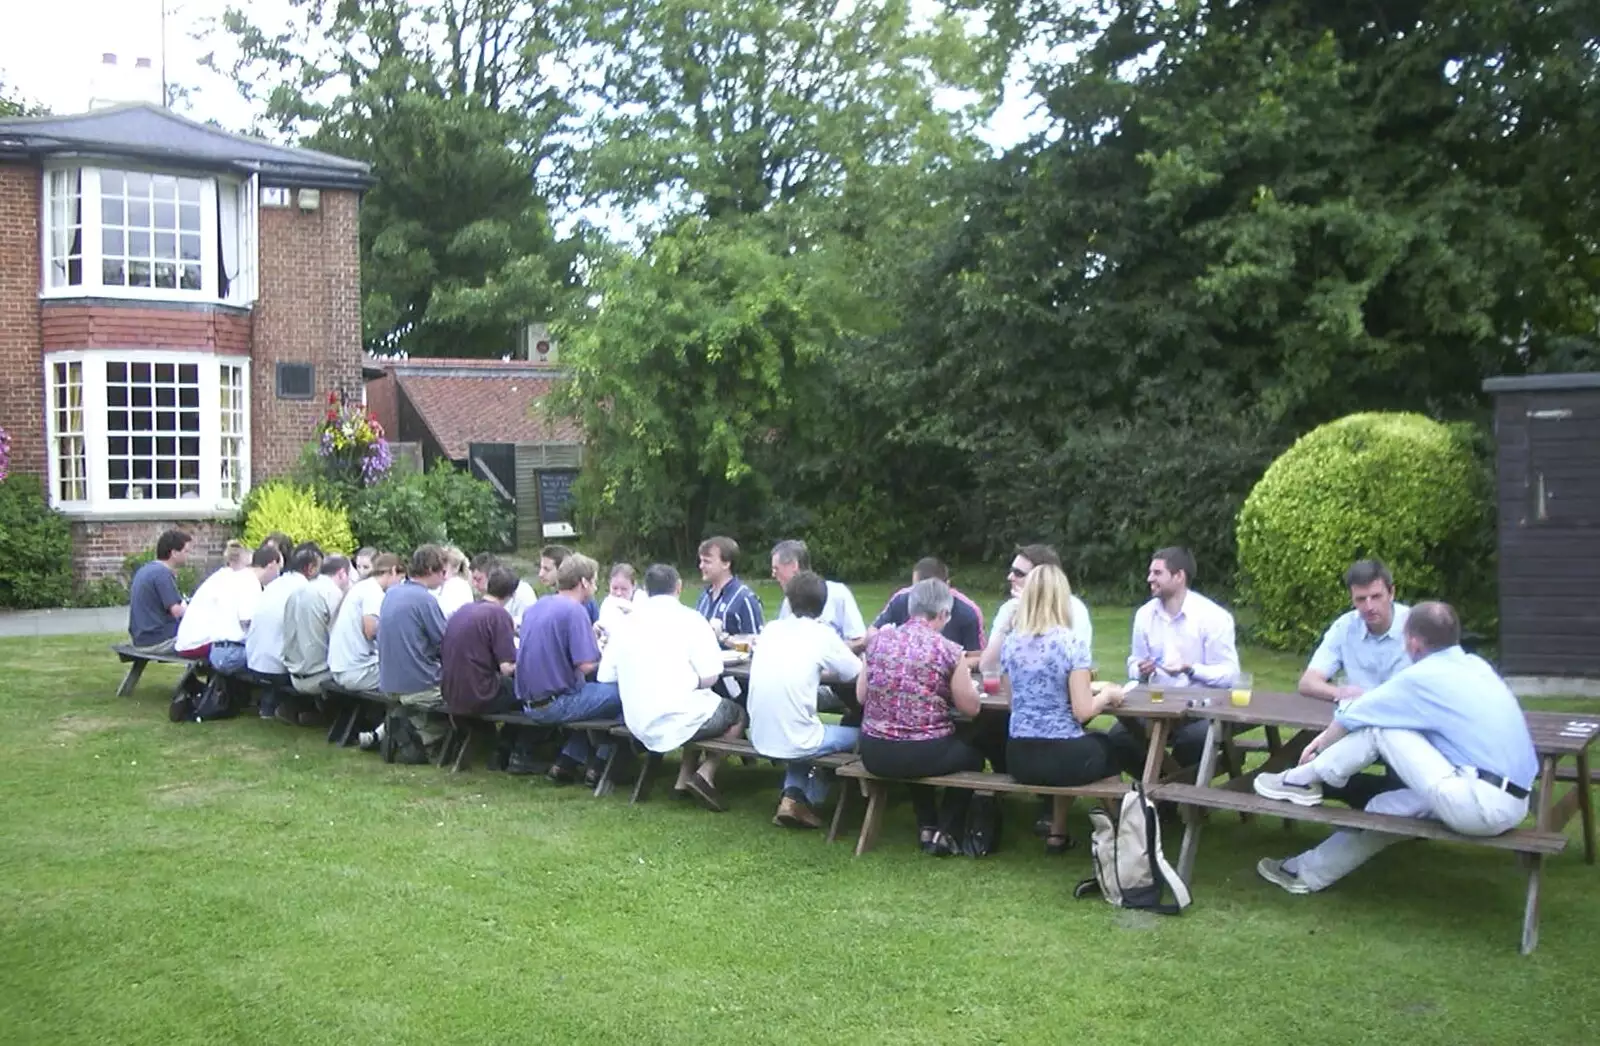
x=1130 y=869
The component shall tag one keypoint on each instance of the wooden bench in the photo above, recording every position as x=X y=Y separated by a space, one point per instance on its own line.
x=136 y=660
x=876 y=790
x=347 y=714
x=740 y=748
x=1531 y=845
x=465 y=731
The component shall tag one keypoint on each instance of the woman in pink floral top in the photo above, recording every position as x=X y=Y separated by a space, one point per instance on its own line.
x=913 y=682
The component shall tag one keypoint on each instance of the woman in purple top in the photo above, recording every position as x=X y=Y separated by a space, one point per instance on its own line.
x=1051 y=698
x=913 y=682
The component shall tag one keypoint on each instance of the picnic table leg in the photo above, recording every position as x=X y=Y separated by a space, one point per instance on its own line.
x=1530 y=914
x=131 y=679
x=647 y=771
x=1156 y=754
x=1192 y=815
x=607 y=783
x=1231 y=760
x=872 y=820
x=1586 y=805
x=839 y=810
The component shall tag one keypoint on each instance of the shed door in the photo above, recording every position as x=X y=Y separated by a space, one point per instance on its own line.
x=1564 y=462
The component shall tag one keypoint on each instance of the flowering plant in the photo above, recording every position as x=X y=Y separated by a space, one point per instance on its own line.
x=5 y=454
x=351 y=443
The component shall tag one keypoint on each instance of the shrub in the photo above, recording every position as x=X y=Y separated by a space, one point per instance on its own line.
x=475 y=519
x=397 y=515
x=1396 y=487
x=35 y=547
x=278 y=505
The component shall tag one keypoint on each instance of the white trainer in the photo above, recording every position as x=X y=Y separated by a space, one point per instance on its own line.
x=1273 y=786
x=1273 y=872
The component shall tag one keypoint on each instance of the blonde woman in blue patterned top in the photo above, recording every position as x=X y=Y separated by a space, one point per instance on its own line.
x=1051 y=698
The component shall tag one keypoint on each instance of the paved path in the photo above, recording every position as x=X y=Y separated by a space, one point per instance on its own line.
x=63 y=622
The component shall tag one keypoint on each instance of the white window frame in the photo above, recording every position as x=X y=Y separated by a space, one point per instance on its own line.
x=99 y=505
x=242 y=289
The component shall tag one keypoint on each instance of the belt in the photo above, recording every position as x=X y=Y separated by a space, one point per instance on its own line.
x=227 y=642
x=544 y=699
x=1494 y=780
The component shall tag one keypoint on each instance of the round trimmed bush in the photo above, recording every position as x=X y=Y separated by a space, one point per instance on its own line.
x=1397 y=487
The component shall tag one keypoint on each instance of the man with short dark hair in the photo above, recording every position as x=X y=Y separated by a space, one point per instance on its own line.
x=154 y=603
x=558 y=652
x=966 y=617
x=664 y=664
x=486 y=563
x=1447 y=725
x=409 y=666
x=841 y=613
x=726 y=602
x=479 y=652
x=307 y=623
x=1180 y=639
x=786 y=668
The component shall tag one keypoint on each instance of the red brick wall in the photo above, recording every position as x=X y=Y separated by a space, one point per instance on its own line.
x=381 y=404
x=21 y=374
x=125 y=325
x=308 y=311
x=98 y=549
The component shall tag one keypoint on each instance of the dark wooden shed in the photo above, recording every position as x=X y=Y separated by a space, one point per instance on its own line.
x=1547 y=429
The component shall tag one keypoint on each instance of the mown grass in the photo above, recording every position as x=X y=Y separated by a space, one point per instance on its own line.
x=243 y=881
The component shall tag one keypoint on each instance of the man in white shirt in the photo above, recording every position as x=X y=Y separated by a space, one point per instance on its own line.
x=664 y=663
x=220 y=613
x=840 y=613
x=788 y=665
x=353 y=642
x=1180 y=639
x=263 y=647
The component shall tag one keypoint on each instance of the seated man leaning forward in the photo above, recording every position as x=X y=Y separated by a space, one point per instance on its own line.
x=307 y=624
x=1368 y=645
x=154 y=603
x=841 y=613
x=558 y=651
x=479 y=652
x=409 y=661
x=665 y=663
x=966 y=617
x=1447 y=726
x=263 y=647
x=1180 y=638
x=353 y=642
x=785 y=670
x=218 y=618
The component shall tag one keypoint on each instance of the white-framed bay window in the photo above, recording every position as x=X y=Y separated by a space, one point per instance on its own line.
x=149 y=234
x=144 y=432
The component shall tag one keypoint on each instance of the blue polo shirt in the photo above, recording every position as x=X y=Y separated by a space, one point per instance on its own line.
x=736 y=605
x=409 y=634
x=151 y=597
x=1367 y=660
x=1461 y=706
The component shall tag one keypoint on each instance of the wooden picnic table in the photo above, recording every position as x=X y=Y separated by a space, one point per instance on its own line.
x=1556 y=736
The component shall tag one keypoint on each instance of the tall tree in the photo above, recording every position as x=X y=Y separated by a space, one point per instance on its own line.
x=452 y=104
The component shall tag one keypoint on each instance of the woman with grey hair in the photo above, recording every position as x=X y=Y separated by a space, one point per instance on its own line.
x=913 y=683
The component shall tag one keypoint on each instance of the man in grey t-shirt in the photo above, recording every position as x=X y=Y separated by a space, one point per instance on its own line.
x=409 y=663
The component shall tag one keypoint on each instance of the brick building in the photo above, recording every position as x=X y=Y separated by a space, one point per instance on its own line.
x=176 y=303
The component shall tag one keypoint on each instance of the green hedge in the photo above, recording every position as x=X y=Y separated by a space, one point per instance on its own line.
x=279 y=505
x=1397 y=487
x=35 y=547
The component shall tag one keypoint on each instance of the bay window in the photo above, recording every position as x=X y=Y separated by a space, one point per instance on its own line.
x=147 y=432
x=149 y=234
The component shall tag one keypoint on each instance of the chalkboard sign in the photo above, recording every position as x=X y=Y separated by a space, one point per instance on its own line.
x=555 y=495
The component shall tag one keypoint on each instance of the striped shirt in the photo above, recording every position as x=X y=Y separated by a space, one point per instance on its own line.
x=736 y=605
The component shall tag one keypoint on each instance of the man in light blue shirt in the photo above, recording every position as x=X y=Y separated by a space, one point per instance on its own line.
x=1368 y=645
x=1447 y=725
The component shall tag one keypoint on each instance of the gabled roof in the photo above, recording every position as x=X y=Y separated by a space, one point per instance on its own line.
x=493 y=405
x=145 y=131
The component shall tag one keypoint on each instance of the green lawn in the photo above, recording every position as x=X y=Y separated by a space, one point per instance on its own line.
x=244 y=882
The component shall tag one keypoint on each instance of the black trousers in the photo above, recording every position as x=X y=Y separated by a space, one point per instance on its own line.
x=1131 y=742
x=944 y=755
x=1062 y=763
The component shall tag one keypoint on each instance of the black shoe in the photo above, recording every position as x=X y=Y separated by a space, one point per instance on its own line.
x=564 y=772
x=1055 y=845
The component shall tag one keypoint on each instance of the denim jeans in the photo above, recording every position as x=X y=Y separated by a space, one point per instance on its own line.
x=594 y=701
x=798 y=774
x=228 y=659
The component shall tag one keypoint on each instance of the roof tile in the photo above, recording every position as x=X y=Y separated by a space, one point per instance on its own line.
x=460 y=410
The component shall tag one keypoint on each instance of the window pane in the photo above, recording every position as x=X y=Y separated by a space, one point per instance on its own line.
x=116 y=372
x=189 y=190
x=113 y=273
x=166 y=245
x=138 y=184
x=189 y=218
x=189 y=375
x=138 y=274
x=111 y=211
x=164 y=185
x=166 y=215
x=138 y=244
x=191 y=278
x=111 y=243
x=166 y=275
x=139 y=213
x=111 y=182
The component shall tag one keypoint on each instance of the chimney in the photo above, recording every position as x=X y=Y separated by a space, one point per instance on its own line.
x=115 y=83
x=537 y=345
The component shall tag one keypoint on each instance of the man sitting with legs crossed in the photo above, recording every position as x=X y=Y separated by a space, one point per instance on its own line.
x=1447 y=726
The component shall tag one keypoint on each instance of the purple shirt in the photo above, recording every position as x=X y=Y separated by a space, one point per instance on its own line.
x=477 y=641
x=557 y=636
